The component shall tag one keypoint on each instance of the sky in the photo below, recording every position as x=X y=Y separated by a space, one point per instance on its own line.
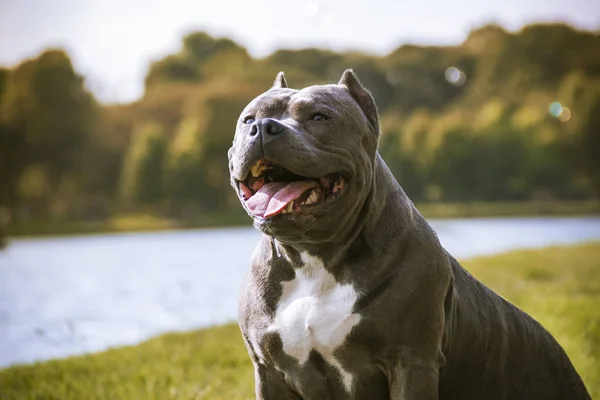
x=112 y=42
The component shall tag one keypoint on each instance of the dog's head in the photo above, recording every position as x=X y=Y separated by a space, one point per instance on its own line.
x=302 y=161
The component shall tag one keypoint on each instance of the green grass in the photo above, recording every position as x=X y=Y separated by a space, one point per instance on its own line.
x=208 y=364
x=147 y=222
x=133 y=222
x=559 y=286
x=116 y=223
x=509 y=209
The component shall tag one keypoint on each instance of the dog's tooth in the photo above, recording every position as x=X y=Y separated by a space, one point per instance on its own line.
x=290 y=206
x=258 y=168
x=312 y=198
x=308 y=200
x=254 y=171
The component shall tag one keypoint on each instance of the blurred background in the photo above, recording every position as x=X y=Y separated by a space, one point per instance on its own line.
x=116 y=116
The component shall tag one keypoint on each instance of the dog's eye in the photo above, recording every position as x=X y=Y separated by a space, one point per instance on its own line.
x=249 y=120
x=318 y=117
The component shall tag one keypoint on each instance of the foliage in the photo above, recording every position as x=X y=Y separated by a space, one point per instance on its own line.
x=582 y=93
x=188 y=65
x=460 y=124
x=143 y=166
x=46 y=116
x=557 y=286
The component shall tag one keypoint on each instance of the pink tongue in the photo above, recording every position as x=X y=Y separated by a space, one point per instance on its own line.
x=274 y=196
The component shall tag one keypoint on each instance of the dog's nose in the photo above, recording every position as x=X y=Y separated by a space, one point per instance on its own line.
x=266 y=126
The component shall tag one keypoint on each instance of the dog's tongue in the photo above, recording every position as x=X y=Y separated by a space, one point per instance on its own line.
x=273 y=197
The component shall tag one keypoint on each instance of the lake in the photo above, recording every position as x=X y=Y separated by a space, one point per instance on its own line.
x=73 y=295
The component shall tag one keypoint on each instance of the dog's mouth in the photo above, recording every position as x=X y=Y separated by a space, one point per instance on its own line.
x=270 y=189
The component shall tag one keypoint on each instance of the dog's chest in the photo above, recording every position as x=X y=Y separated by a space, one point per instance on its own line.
x=315 y=312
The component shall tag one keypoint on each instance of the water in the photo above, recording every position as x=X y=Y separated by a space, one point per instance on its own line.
x=65 y=296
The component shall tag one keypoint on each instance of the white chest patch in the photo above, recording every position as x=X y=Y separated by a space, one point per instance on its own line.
x=315 y=312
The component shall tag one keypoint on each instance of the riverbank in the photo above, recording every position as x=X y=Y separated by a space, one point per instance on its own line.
x=559 y=286
x=146 y=222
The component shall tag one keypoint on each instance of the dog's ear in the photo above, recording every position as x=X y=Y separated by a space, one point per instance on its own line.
x=280 y=81
x=362 y=97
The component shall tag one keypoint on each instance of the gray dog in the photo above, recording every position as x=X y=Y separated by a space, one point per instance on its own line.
x=350 y=294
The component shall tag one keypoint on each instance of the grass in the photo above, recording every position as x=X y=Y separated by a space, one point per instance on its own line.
x=132 y=222
x=559 y=286
x=509 y=209
x=117 y=223
x=147 y=222
x=208 y=364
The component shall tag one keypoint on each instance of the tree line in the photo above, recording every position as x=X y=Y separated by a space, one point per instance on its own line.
x=502 y=116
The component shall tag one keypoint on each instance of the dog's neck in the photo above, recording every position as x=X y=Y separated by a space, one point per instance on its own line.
x=374 y=216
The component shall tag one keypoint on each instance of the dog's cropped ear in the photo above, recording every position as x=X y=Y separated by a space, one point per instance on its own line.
x=362 y=97
x=280 y=81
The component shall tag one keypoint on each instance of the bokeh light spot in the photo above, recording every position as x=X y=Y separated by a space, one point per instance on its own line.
x=455 y=76
x=452 y=74
x=555 y=109
x=565 y=114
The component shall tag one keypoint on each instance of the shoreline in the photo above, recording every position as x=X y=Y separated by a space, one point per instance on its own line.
x=140 y=223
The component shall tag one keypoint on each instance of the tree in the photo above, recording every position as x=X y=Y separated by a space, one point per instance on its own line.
x=47 y=116
x=141 y=180
x=188 y=64
x=197 y=173
x=11 y=164
x=581 y=94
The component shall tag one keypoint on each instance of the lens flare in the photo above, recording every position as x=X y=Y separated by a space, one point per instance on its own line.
x=455 y=76
x=452 y=74
x=555 y=109
x=565 y=114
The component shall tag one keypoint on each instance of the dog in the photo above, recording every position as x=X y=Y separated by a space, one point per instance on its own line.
x=350 y=294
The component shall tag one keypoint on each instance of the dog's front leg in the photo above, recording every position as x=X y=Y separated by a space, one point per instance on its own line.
x=270 y=385
x=414 y=380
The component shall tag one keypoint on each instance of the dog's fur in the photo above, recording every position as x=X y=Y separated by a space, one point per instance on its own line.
x=356 y=298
